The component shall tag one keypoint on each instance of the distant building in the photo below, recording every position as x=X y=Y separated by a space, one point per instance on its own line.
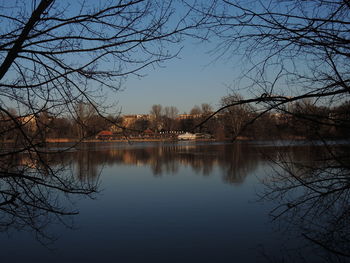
x=116 y=128
x=148 y=133
x=281 y=118
x=128 y=120
x=188 y=116
x=104 y=135
x=29 y=121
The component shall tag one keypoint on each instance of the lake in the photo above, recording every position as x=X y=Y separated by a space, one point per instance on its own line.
x=172 y=202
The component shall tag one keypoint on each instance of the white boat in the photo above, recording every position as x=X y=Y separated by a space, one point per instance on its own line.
x=187 y=136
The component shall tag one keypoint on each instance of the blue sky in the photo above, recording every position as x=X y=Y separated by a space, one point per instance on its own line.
x=192 y=79
x=195 y=77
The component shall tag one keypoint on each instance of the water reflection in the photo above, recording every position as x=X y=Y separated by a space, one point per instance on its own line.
x=312 y=198
x=34 y=189
x=235 y=161
x=321 y=219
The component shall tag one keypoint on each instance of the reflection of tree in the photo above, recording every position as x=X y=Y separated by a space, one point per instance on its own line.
x=86 y=164
x=235 y=160
x=312 y=200
x=240 y=161
x=56 y=64
x=31 y=193
x=312 y=189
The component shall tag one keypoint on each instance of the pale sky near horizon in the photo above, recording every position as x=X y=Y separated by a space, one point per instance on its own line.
x=192 y=79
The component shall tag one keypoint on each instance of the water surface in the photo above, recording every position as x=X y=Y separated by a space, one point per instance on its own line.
x=169 y=202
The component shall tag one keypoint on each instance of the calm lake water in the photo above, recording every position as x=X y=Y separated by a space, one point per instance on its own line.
x=170 y=202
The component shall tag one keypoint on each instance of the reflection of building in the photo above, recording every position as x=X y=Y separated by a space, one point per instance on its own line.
x=28 y=161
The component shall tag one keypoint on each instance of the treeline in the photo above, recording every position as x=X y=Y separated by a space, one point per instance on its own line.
x=85 y=123
x=302 y=119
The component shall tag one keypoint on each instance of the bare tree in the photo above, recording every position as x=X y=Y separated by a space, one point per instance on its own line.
x=172 y=112
x=55 y=54
x=237 y=117
x=84 y=112
x=206 y=109
x=157 y=116
x=291 y=51
x=196 y=110
x=170 y=115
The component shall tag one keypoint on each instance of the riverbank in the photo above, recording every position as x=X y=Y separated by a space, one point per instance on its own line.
x=136 y=139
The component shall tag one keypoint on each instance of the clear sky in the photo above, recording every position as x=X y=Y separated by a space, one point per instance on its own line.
x=192 y=79
x=195 y=77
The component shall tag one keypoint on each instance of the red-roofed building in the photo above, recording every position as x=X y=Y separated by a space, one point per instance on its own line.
x=104 y=135
x=148 y=133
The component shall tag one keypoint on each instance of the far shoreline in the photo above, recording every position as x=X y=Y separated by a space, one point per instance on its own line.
x=133 y=139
